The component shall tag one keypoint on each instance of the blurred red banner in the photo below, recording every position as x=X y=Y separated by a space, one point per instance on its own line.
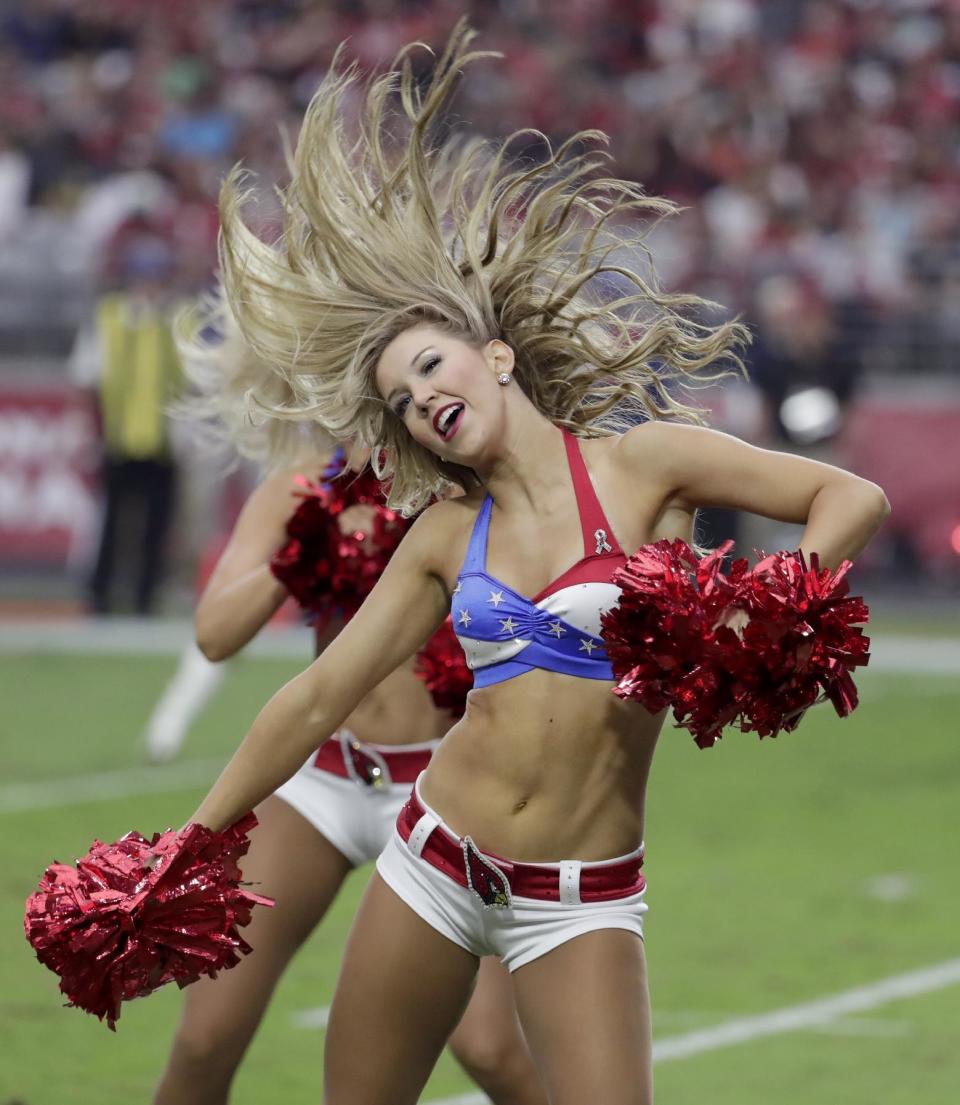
x=49 y=450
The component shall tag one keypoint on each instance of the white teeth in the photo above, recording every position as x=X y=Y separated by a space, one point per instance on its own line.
x=448 y=417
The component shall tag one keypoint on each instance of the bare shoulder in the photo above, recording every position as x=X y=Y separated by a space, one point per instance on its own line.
x=438 y=539
x=658 y=441
x=440 y=534
x=665 y=451
x=693 y=467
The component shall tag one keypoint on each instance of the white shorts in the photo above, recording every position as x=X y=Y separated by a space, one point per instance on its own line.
x=356 y=819
x=517 y=934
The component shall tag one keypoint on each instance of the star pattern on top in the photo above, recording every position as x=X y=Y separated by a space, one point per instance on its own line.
x=496 y=597
x=508 y=625
x=464 y=618
x=556 y=629
x=587 y=646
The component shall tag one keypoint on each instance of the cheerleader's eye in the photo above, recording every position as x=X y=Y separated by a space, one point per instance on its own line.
x=429 y=365
x=400 y=408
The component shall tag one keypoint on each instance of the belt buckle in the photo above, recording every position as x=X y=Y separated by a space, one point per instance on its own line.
x=485 y=878
x=365 y=766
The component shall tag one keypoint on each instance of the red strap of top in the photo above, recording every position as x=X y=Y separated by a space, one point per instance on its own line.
x=592 y=518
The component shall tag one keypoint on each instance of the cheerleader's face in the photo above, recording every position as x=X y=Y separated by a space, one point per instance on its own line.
x=445 y=391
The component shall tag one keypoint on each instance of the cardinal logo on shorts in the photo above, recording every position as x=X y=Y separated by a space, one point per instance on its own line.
x=365 y=766
x=484 y=877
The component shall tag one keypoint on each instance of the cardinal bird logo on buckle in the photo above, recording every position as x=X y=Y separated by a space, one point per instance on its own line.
x=485 y=878
x=365 y=766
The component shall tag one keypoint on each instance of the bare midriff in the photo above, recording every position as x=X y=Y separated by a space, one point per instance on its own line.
x=546 y=767
x=398 y=711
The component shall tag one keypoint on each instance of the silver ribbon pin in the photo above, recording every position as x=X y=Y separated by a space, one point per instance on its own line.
x=600 y=536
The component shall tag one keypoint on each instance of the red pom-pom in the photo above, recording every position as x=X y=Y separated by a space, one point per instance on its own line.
x=804 y=638
x=442 y=665
x=135 y=915
x=752 y=649
x=330 y=572
x=657 y=633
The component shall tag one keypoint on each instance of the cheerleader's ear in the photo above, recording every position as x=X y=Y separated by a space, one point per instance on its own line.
x=499 y=357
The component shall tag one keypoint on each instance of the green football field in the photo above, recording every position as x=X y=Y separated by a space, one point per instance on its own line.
x=803 y=935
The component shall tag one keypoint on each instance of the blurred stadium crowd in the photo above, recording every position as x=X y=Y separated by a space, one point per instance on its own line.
x=815 y=146
x=815 y=142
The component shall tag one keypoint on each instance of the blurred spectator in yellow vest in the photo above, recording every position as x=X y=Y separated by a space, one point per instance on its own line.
x=127 y=356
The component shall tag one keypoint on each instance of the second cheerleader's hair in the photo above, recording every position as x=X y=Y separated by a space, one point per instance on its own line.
x=384 y=232
x=231 y=393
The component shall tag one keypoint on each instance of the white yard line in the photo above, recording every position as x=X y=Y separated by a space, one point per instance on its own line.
x=311 y=1018
x=880 y=1028
x=163 y=637
x=461 y=1099
x=124 y=783
x=811 y=1014
x=137 y=637
x=794 y=1018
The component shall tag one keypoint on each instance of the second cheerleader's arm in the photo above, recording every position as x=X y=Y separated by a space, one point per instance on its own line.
x=242 y=595
x=405 y=608
x=698 y=467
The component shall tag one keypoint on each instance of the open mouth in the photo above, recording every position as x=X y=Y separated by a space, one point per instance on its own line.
x=447 y=421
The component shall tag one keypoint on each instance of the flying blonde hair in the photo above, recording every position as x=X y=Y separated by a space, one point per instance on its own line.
x=386 y=230
x=231 y=393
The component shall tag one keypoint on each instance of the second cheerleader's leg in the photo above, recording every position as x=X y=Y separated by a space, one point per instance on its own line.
x=194 y=683
x=291 y=862
x=489 y=1045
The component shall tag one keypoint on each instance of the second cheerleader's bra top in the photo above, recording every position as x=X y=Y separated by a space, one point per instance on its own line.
x=505 y=634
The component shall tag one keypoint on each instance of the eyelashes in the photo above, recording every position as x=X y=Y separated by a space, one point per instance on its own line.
x=425 y=369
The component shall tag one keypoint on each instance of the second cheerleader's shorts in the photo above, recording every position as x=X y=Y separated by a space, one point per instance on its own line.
x=493 y=906
x=351 y=792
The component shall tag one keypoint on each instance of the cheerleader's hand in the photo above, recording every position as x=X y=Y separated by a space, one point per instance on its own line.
x=735 y=618
x=359 y=521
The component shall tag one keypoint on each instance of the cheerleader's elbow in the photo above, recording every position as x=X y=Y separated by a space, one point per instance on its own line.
x=867 y=513
x=319 y=709
x=876 y=504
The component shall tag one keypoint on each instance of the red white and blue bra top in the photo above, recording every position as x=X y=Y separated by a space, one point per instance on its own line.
x=505 y=634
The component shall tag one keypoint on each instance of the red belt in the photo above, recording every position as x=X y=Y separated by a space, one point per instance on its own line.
x=495 y=879
x=345 y=756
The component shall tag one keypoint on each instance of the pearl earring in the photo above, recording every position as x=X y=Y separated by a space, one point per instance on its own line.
x=503 y=379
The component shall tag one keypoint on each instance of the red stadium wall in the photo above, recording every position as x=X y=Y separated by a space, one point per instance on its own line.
x=910 y=446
